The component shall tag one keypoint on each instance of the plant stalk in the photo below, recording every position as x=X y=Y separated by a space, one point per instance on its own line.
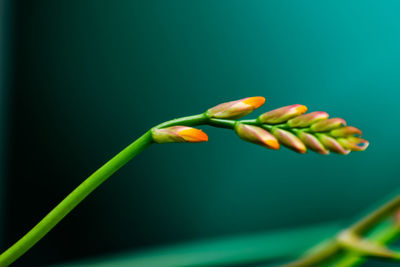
x=87 y=187
x=73 y=199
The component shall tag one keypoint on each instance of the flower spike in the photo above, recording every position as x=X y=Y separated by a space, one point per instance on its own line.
x=236 y=109
x=289 y=126
x=283 y=114
x=256 y=135
x=178 y=134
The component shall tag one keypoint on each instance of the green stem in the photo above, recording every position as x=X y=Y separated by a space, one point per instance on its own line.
x=185 y=121
x=384 y=234
x=73 y=199
x=88 y=186
x=364 y=224
x=333 y=247
x=228 y=124
x=251 y=122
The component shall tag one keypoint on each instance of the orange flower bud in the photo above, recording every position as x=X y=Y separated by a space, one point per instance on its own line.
x=327 y=125
x=331 y=144
x=282 y=114
x=312 y=142
x=306 y=120
x=236 y=109
x=346 y=131
x=178 y=134
x=289 y=140
x=354 y=143
x=256 y=135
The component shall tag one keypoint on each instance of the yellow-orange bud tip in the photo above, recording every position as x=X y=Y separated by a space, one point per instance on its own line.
x=194 y=135
x=273 y=144
x=255 y=102
x=302 y=109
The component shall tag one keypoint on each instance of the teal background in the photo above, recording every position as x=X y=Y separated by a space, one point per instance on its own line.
x=88 y=77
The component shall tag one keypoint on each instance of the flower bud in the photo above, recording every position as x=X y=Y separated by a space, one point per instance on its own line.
x=327 y=125
x=354 y=143
x=236 y=109
x=312 y=142
x=282 y=114
x=306 y=120
x=256 y=135
x=178 y=134
x=346 y=131
x=331 y=144
x=289 y=140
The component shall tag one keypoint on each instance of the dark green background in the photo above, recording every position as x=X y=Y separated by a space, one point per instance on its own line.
x=88 y=77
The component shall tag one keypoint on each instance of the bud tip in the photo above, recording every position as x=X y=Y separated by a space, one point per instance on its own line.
x=194 y=135
x=301 y=109
x=255 y=101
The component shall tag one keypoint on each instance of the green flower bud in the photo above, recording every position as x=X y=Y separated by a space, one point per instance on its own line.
x=327 y=125
x=331 y=144
x=306 y=120
x=346 y=131
x=236 y=109
x=312 y=142
x=178 y=134
x=354 y=143
x=282 y=114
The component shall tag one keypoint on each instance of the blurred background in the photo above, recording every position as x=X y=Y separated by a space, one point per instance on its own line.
x=80 y=80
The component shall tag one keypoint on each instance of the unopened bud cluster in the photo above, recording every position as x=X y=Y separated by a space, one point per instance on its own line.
x=290 y=126
x=315 y=130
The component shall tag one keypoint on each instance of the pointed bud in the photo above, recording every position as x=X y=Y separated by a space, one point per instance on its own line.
x=256 y=135
x=331 y=144
x=366 y=247
x=289 y=140
x=306 y=120
x=282 y=114
x=354 y=143
x=178 y=134
x=327 y=125
x=312 y=142
x=236 y=109
x=346 y=131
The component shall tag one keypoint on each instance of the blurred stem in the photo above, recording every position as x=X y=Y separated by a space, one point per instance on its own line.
x=383 y=235
x=371 y=219
x=332 y=248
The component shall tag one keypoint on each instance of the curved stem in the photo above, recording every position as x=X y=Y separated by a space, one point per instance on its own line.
x=73 y=199
x=186 y=121
x=88 y=186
